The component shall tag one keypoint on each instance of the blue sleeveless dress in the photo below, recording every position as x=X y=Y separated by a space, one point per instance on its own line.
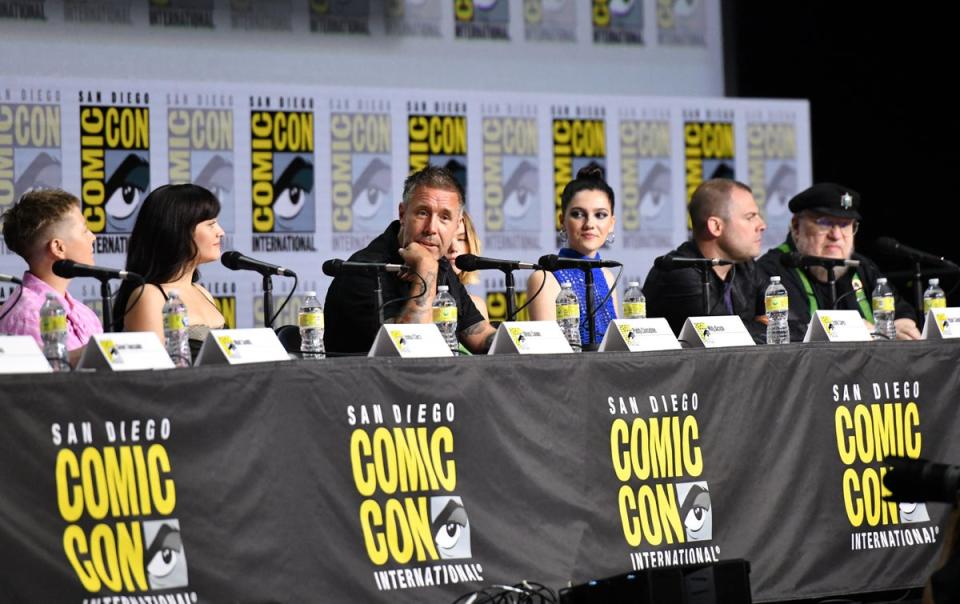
x=604 y=314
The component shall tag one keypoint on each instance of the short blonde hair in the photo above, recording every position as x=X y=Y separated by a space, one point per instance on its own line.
x=473 y=247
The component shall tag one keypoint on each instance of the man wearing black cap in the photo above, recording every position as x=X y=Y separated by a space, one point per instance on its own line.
x=825 y=219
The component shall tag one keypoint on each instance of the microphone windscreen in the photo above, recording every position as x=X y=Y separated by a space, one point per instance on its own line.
x=466 y=262
x=664 y=263
x=331 y=268
x=231 y=259
x=64 y=268
x=887 y=244
x=548 y=262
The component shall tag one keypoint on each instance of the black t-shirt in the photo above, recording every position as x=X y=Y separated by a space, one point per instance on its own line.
x=678 y=294
x=350 y=310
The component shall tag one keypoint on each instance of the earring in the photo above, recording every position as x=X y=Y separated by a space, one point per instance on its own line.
x=562 y=236
x=611 y=238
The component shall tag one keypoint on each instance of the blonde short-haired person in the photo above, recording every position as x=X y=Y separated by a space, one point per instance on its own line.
x=43 y=227
x=466 y=241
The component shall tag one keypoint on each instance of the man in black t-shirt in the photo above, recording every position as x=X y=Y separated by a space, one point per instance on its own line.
x=825 y=219
x=430 y=214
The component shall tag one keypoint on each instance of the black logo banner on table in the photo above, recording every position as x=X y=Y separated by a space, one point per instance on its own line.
x=419 y=18
x=682 y=23
x=31 y=151
x=772 y=167
x=195 y=14
x=437 y=136
x=200 y=149
x=487 y=20
x=550 y=21
x=617 y=22
x=114 y=12
x=114 y=163
x=113 y=487
x=361 y=158
x=709 y=150
x=340 y=17
x=282 y=174
x=646 y=207
x=579 y=138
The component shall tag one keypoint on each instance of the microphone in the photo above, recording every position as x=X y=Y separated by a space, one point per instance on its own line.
x=236 y=261
x=10 y=279
x=670 y=263
x=892 y=246
x=469 y=262
x=68 y=269
x=552 y=262
x=335 y=267
x=797 y=260
x=918 y=480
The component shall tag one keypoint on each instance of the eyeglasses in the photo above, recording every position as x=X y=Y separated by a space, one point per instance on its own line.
x=825 y=224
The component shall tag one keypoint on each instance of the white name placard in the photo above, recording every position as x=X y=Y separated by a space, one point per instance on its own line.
x=125 y=351
x=241 y=347
x=837 y=326
x=529 y=337
x=638 y=335
x=409 y=340
x=20 y=354
x=942 y=324
x=715 y=332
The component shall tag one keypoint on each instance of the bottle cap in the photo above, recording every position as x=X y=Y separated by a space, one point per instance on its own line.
x=443 y=288
x=934 y=281
x=309 y=294
x=633 y=284
x=173 y=293
x=566 y=284
x=881 y=280
x=775 y=279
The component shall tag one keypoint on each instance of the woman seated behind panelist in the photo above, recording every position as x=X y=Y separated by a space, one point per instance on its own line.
x=587 y=206
x=176 y=231
x=466 y=241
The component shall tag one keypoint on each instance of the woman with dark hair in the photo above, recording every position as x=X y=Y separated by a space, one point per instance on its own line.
x=588 y=220
x=176 y=231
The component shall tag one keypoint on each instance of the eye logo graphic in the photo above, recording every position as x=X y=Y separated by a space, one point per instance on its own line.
x=696 y=511
x=292 y=193
x=451 y=527
x=516 y=334
x=913 y=512
x=229 y=346
x=827 y=323
x=111 y=351
x=124 y=190
x=399 y=340
x=704 y=330
x=165 y=559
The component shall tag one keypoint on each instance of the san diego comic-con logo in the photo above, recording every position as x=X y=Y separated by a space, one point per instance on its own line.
x=118 y=500
x=30 y=148
x=662 y=499
x=411 y=518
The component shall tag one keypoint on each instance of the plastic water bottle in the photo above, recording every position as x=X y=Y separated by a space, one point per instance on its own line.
x=568 y=315
x=445 y=316
x=634 y=304
x=777 y=306
x=883 y=310
x=310 y=320
x=175 y=323
x=53 y=333
x=933 y=297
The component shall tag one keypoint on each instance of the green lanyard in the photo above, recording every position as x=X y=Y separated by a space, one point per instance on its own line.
x=855 y=281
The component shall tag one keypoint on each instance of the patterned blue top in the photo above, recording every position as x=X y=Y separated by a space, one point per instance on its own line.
x=604 y=314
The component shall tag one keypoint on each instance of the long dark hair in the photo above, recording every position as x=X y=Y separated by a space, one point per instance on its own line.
x=161 y=244
x=589 y=178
